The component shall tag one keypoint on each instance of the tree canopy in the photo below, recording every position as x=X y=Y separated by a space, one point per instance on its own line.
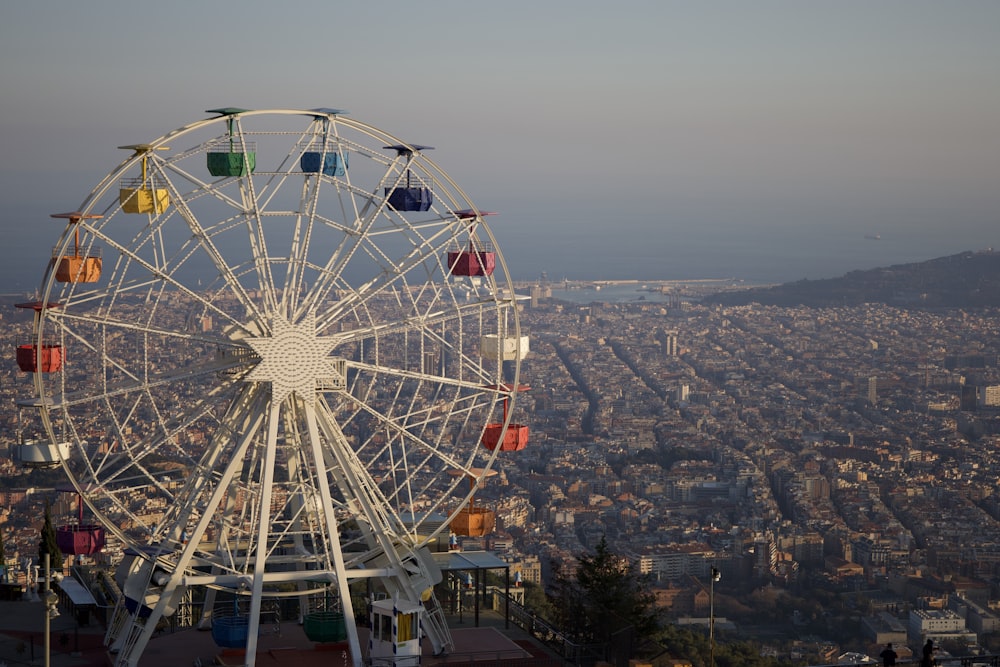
x=47 y=543
x=602 y=597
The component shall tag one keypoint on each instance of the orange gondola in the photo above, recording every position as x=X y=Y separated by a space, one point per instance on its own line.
x=77 y=268
x=473 y=520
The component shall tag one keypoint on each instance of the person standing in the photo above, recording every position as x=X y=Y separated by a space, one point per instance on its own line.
x=888 y=656
x=928 y=656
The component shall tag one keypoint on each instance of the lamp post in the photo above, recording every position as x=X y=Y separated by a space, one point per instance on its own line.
x=716 y=575
x=34 y=585
x=51 y=600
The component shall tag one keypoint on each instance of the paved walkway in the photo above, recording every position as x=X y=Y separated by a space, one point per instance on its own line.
x=22 y=632
x=22 y=627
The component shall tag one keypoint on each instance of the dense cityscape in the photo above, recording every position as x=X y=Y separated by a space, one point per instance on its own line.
x=650 y=334
x=835 y=466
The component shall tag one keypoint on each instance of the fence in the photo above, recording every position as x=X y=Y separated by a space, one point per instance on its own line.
x=573 y=653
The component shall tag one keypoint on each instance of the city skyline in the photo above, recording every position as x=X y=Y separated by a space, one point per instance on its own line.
x=817 y=449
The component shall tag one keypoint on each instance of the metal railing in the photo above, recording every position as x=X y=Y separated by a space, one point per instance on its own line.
x=549 y=635
x=984 y=660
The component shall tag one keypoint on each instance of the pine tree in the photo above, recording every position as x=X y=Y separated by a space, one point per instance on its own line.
x=604 y=596
x=47 y=543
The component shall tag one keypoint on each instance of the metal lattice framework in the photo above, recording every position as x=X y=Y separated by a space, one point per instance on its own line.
x=268 y=368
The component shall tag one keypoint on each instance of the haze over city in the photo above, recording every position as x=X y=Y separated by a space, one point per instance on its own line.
x=280 y=386
x=767 y=141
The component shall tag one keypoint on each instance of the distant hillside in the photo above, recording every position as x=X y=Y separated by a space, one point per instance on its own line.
x=966 y=280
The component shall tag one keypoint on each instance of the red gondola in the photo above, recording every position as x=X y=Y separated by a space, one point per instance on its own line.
x=472 y=262
x=516 y=437
x=32 y=358
x=35 y=359
x=80 y=539
x=479 y=259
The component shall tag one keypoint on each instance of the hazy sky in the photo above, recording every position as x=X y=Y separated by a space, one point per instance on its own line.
x=657 y=139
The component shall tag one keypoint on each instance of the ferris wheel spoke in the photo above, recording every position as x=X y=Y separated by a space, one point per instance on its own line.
x=463 y=361
x=257 y=199
x=91 y=332
x=330 y=275
x=122 y=325
x=358 y=221
x=399 y=430
x=307 y=216
x=226 y=271
x=362 y=492
x=165 y=263
x=203 y=237
x=207 y=478
x=161 y=441
x=405 y=321
x=143 y=385
x=424 y=256
x=121 y=461
x=361 y=223
x=423 y=251
x=298 y=252
x=478 y=389
x=124 y=282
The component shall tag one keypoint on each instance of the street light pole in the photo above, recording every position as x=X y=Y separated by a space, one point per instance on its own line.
x=51 y=600
x=45 y=598
x=716 y=575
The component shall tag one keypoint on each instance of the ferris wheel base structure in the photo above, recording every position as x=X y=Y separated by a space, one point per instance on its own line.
x=269 y=349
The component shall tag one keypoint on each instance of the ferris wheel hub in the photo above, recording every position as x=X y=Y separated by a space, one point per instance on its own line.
x=294 y=358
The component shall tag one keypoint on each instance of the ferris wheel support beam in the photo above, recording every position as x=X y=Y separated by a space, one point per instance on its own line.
x=185 y=505
x=299 y=502
x=177 y=579
x=290 y=577
x=263 y=527
x=363 y=493
x=343 y=584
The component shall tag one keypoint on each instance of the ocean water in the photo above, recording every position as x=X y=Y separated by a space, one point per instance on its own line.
x=647 y=251
x=741 y=260
x=703 y=254
x=630 y=293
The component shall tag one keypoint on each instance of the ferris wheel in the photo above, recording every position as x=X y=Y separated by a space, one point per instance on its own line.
x=264 y=345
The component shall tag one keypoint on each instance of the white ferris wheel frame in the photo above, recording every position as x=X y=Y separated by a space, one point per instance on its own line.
x=302 y=372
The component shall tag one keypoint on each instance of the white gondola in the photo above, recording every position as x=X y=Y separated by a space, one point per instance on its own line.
x=41 y=453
